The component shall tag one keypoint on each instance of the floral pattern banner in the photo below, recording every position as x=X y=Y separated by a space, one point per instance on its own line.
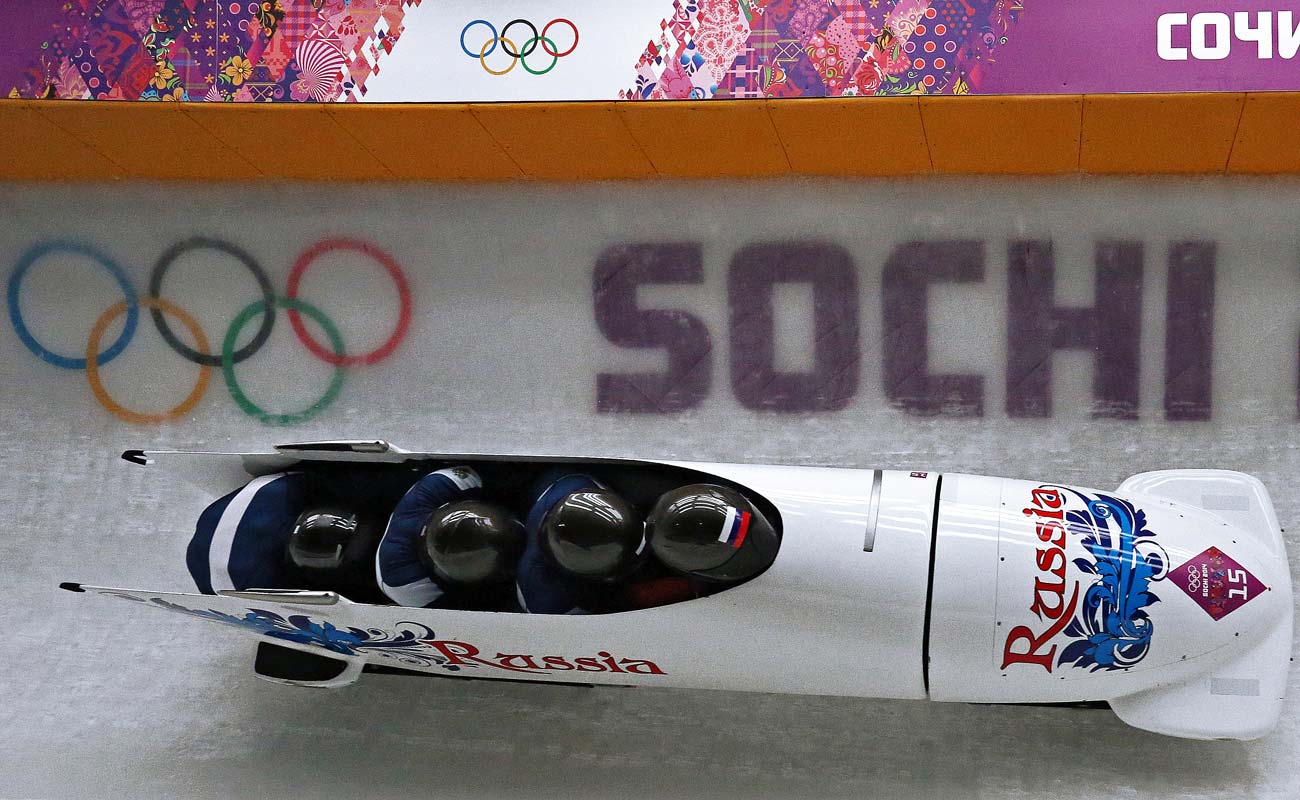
x=797 y=48
x=228 y=50
x=317 y=51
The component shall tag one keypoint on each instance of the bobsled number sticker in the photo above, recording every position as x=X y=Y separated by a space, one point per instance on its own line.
x=1217 y=583
x=1094 y=615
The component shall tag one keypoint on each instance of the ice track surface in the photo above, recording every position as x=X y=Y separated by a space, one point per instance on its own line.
x=100 y=699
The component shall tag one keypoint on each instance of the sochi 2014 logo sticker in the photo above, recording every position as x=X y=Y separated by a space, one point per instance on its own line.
x=1217 y=583
x=1104 y=618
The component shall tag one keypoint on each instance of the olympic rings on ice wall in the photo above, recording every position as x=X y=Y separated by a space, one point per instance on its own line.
x=519 y=54
x=96 y=355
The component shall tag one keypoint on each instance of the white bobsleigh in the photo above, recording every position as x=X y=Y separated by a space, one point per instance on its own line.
x=1169 y=598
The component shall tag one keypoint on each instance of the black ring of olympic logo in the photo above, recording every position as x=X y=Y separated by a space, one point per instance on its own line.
x=529 y=48
x=165 y=263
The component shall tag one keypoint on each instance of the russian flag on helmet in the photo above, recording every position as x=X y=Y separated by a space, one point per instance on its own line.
x=734 y=527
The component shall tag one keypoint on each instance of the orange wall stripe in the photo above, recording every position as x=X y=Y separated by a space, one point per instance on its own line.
x=173 y=147
x=1172 y=133
x=847 y=137
x=565 y=141
x=35 y=148
x=310 y=146
x=1003 y=135
x=427 y=142
x=1268 y=138
x=1112 y=134
x=707 y=138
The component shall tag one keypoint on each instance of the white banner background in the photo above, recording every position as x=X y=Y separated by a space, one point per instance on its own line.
x=429 y=55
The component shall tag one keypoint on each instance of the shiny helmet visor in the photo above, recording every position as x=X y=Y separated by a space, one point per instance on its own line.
x=321 y=537
x=471 y=543
x=594 y=534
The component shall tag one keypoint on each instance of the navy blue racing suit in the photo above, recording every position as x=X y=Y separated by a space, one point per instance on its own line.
x=542 y=587
x=240 y=540
x=398 y=569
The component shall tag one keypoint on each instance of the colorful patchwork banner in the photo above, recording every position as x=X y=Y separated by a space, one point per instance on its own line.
x=351 y=50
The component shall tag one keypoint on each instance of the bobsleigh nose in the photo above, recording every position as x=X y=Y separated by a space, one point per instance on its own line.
x=1228 y=593
x=1237 y=652
x=1229 y=558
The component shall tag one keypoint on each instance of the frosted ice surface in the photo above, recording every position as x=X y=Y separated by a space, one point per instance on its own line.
x=99 y=699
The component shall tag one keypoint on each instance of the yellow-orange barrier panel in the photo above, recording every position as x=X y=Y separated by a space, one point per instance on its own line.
x=1127 y=134
x=1268 y=138
x=289 y=141
x=706 y=138
x=565 y=141
x=427 y=142
x=1003 y=135
x=34 y=148
x=150 y=140
x=1167 y=133
x=852 y=137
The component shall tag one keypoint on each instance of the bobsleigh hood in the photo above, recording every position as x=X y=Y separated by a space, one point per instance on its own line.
x=1170 y=598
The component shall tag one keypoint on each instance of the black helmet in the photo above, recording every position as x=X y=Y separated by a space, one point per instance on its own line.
x=323 y=538
x=711 y=532
x=470 y=543
x=593 y=534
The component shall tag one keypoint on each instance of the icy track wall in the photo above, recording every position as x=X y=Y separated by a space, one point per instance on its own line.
x=871 y=314
x=1075 y=330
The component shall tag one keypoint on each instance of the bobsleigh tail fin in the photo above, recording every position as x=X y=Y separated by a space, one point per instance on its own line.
x=292 y=627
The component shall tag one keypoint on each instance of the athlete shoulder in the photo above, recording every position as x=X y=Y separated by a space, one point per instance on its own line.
x=437 y=489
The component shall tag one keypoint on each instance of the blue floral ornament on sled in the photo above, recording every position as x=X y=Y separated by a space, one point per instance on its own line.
x=407 y=645
x=1112 y=629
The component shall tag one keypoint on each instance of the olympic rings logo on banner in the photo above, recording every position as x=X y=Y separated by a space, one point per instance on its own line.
x=519 y=55
x=1193 y=578
x=160 y=309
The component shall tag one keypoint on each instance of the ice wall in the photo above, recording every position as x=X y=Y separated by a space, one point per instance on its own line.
x=1073 y=330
